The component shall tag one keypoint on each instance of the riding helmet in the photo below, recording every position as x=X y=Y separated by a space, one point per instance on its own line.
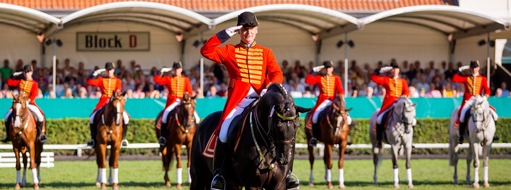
x=328 y=64
x=474 y=64
x=177 y=65
x=109 y=65
x=247 y=19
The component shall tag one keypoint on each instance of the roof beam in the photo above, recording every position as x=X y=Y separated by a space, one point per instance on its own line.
x=416 y=24
x=433 y=20
x=477 y=31
x=338 y=30
x=127 y=20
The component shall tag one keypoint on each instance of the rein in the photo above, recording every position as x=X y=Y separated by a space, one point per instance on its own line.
x=181 y=127
x=23 y=118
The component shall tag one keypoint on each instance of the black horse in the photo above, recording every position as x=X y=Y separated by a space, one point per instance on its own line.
x=264 y=154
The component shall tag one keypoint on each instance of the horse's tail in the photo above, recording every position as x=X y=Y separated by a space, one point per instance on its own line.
x=453 y=155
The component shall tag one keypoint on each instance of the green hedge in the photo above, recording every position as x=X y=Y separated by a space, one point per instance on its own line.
x=76 y=131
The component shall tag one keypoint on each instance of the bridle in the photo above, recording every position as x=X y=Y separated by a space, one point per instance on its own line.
x=182 y=106
x=18 y=107
x=403 y=120
x=474 y=112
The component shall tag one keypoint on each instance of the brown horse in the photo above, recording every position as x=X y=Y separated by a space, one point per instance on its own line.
x=332 y=129
x=109 y=127
x=23 y=135
x=181 y=127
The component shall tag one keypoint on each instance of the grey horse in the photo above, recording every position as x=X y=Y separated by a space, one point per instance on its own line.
x=481 y=129
x=399 y=132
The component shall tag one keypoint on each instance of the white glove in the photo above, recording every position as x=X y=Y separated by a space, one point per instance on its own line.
x=385 y=69
x=318 y=68
x=462 y=68
x=165 y=70
x=17 y=73
x=97 y=72
x=232 y=30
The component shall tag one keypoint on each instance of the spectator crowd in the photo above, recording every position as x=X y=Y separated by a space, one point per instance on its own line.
x=432 y=81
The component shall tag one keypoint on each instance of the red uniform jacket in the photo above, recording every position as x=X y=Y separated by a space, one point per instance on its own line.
x=177 y=87
x=473 y=86
x=107 y=86
x=329 y=87
x=26 y=88
x=254 y=67
x=394 y=88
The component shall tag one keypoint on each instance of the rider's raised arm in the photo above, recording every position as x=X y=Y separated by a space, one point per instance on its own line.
x=13 y=81
x=211 y=50
x=158 y=79
x=379 y=79
x=312 y=79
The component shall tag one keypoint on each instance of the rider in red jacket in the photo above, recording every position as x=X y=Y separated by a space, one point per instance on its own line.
x=395 y=87
x=177 y=85
x=475 y=84
x=251 y=68
x=330 y=86
x=27 y=87
x=108 y=85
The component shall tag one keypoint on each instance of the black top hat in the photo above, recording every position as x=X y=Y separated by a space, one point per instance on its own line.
x=474 y=64
x=394 y=65
x=109 y=65
x=177 y=65
x=27 y=68
x=247 y=19
x=327 y=64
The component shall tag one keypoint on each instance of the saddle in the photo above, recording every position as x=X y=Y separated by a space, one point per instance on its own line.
x=236 y=128
x=97 y=117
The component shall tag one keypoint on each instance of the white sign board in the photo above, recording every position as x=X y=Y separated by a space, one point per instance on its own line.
x=112 y=41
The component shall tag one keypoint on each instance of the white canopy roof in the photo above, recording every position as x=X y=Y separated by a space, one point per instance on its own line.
x=449 y=20
x=25 y=18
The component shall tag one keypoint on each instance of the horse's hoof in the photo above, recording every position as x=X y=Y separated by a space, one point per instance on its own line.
x=178 y=186
x=396 y=185
x=167 y=183
x=410 y=186
x=342 y=186
x=476 y=185
x=98 y=185
x=311 y=184
x=36 y=187
x=115 y=186
x=330 y=185
x=17 y=187
x=486 y=184
x=103 y=186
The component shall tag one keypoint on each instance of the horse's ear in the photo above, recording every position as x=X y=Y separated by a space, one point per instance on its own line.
x=301 y=109
x=414 y=104
x=349 y=109
x=193 y=97
x=123 y=93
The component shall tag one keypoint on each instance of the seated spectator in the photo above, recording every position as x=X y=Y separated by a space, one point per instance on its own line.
x=505 y=91
x=413 y=92
x=139 y=93
x=498 y=92
x=370 y=92
x=212 y=92
x=68 y=93
x=82 y=92
x=448 y=91
x=433 y=92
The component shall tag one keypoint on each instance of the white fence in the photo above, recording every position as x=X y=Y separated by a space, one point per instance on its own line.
x=80 y=147
x=8 y=160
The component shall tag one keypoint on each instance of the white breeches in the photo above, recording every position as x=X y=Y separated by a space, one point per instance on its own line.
x=38 y=115
x=250 y=97
x=322 y=107
x=169 y=109
x=125 y=117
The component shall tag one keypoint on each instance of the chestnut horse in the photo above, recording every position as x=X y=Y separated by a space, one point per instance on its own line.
x=333 y=129
x=109 y=127
x=24 y=136
x=181 y=127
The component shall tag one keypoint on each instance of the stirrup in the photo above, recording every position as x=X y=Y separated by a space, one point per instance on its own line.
x=162 y=141
x=91 y=143
x=124 y=143
x=43 y=138
x=460 y=140
x=291 y=183
x=220 y=182
x=6 y=139
x=313 y=142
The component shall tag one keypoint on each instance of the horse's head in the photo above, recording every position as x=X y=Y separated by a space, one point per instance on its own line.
x=187 y=110
x=338 y=111
x=479 y=109
x=277 y=107
x=404 y=112
x=19 y=109
x=116 y=106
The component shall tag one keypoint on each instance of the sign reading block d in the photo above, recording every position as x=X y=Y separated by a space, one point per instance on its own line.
x=112 y=41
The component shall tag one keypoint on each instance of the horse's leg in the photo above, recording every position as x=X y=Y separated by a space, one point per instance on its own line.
x=408 y=151
x=115 y=150
x=18 y=167
x=33 y=164
x=475 y=154
x=101 y=160
x=453 y=156
x=179 y=165
x=342 y=149
x=311 y=161
x=39 y=150
x=327 y=158
x=395 y=152
x=377 y=158
x=25 y=160
x=189 y=155
x=486 y=157
x=166 y=162
x=470 y=156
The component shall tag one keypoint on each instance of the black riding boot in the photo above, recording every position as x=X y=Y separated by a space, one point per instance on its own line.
x=218 y=181
x=314 y=142
x=124 y=142
x=42 y=136
x=462 y=132
x=379 y=135
x=291 y=183
x=92 y=140
x=7 y=131
x=163 y=133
